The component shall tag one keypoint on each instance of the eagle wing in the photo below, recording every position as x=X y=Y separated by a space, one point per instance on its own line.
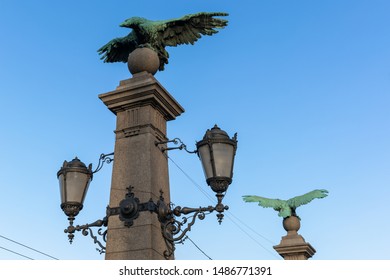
x=306 y=198
x=118 y=49
x=188 y=29
x=277 y=204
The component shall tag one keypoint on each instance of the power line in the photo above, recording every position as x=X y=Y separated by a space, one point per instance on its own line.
x=16 y=253
x=228 y=214
x=26 y=247
x=251 y=237
x=192 y=180
x=187 y=237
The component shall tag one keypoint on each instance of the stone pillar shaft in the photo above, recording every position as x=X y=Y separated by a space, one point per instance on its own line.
x=142 y=108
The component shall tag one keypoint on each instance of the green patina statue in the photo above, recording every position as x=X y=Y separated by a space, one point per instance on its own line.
x=159 y=34
x=286 y=208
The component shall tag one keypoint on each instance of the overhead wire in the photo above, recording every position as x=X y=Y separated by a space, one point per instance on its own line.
x=16 y=253
x=187 y=237
x=250 y=236
x=192 y=180
x=28 y=247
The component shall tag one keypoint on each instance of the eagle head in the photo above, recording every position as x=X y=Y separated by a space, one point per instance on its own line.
x=133 y=22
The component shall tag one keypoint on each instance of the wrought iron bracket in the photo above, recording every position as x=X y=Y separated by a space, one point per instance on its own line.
x=176 y=141
x=175 y=231
x=104 y=158
x=86 y=229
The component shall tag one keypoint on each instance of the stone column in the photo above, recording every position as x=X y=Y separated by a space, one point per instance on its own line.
x=293 y=246
x=142 y=108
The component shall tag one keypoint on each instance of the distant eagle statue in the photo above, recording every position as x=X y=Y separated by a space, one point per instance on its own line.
x=286 y=208
x=159 y=34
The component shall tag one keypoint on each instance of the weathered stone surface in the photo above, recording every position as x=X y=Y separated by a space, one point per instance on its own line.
x=142 y=107
x=143 y=59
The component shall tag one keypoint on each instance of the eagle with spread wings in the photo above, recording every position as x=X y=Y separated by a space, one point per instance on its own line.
x=159 y=34
x=286 y=208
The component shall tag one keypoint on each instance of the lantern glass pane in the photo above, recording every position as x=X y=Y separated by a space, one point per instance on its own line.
x=223 y=157
x=76 y=186
x=204 y=154
x=62 y=187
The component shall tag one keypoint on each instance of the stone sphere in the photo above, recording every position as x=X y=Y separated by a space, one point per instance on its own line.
x=292 y=224
x=143 y=59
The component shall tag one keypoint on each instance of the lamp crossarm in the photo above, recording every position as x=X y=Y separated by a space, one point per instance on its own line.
x=187 y=210
x=86 y=229
x=97 y=223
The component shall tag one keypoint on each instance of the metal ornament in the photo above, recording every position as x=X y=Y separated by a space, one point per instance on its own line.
x=175 y=141
x=86 y=229
x=104 y=158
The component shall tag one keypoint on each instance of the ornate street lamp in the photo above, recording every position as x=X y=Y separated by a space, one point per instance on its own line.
x=74 y=178
x=216 y=152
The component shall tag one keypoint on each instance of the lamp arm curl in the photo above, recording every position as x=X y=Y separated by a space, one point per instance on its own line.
x=95 y=239
x=172 y=227
x=175 y=141
x=104 y=158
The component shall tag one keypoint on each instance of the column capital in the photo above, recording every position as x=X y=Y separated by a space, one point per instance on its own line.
x=295 y=248
x=140 y=90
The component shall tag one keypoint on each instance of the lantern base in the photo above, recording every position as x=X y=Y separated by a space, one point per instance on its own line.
x=71 y=209
x=219 y=184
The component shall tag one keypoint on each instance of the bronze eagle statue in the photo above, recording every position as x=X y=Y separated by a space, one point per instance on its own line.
x=286 y=208
x=159 y=34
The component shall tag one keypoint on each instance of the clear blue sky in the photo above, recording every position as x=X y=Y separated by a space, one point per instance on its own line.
x=305 y=84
